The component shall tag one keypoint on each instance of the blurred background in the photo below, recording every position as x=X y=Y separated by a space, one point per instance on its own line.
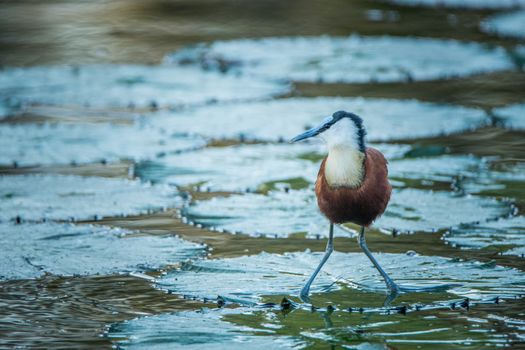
x=80 y=32
x=149 y=199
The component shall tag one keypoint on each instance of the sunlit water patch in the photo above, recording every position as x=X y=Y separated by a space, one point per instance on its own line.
x=245 y=167
x=248 y=278
x=25 y=145
x=353 y=59
x=462 y=173
x=510 y=24
x=441 y=168
x=204 y=329
x=412 y=210
x=281 y=213
x=509 y=234
x=282 y=119
x=129 y=86
x=67 y=249
x=470 y=4
x=513 y=116
x=42 y=197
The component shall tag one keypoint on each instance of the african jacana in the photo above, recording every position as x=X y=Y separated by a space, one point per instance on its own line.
x=352 y=183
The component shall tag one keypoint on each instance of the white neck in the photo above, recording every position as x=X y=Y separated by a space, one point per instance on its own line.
x=344 y=166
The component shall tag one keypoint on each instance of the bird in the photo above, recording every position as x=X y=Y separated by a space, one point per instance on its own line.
x=352 y=184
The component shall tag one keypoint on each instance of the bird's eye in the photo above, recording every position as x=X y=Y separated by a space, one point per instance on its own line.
x=325 y=127
x=326 y=123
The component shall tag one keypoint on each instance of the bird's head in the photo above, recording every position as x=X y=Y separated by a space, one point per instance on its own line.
x=340 y=129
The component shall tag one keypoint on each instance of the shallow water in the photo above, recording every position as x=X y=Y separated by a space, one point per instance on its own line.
x=192 y=219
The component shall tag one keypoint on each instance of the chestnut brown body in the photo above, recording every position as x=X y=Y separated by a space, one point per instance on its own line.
x=362 y=204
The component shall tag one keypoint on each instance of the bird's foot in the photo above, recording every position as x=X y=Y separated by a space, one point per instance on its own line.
x=393 y=292
x=303 y=295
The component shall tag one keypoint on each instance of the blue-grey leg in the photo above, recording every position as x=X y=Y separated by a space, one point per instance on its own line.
x=329 y=249
x=390 y=284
